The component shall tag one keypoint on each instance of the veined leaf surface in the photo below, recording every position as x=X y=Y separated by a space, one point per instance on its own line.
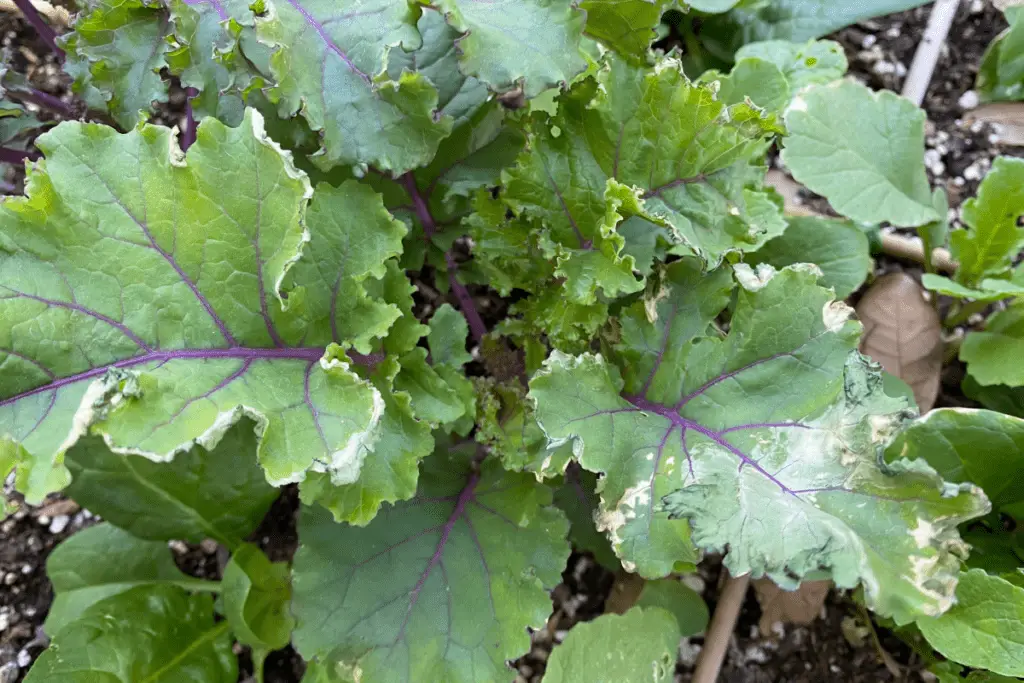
x=764 y=443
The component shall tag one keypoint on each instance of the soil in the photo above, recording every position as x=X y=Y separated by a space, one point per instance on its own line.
x=836 y=647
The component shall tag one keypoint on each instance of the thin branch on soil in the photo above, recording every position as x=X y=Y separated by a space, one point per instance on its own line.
x=17 y=156
x=912 y=249
x=44 y=30
x=45 y=101
x=188 y=136
x=886 y=658
x=56 y=14
x=928 y=50
x=723 y=623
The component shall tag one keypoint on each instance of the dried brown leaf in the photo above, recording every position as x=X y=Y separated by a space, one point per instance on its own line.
x=903 y=332
x=625 y=592
x=799 y=607
x=1007 y=120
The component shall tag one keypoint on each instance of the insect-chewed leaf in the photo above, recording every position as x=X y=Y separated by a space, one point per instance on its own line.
x=648 y=144
x=220 y=494
x=626 y=26
x=985 y=629
x=765 y=443
x=980 y=446
x=147 y=633
x=817 y=61
x=862 y=150
x=102 y=561
x=640 y=645
x=439 y=588
x=163 y=301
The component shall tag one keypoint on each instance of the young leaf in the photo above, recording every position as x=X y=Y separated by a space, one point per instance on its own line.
x=988 y=289
x=684 y=603
x=650 y=144
x=102 y=561
x=447 y=338
x=838 y=247
x=979 y=446
x=817 y=61
x=903 y=333
x=532 y=44
x=220 y=494
x=149 y=633
x=640 y=645
x=117 y=49
x=992 y=355
x=256 y=594
x=782 y=415
x=1001 y=75
x=442 y=587
x=166 y=299
x=862 y=150
x=985 y=629
x=992 y=238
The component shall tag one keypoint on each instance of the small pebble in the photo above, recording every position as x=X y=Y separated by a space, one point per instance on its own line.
x=24 y=659
x=868 y=41
x=208 y=546
x=969 y=100
x=43 y=520
x=10 y=579
x=178 y=547
x=5 y=621
x=977 y=6
x=59 y=524
x=27 y=569
x=9 y=672
x=893 y=32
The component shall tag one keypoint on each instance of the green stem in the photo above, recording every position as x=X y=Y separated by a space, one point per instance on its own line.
x=693 y=47
x=965 y=311
x=200 y=586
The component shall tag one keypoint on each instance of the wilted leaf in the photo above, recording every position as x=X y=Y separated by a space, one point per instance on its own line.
x=903 y=332
x=800 y=606
x=638 y=646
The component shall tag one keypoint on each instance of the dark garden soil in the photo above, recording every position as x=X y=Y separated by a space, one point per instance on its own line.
x=836 y=647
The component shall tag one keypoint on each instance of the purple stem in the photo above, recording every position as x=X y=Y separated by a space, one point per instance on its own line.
x=42 y=28
x=17 y=156
x=44 y=101
x=188 y=136
x=466 y=304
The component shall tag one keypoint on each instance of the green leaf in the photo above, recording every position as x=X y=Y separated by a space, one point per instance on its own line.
x=533 y=44
x=979 y=446
x=646 y=143
x=758 y=80
x=795 y=20
x=863 y=151
x=103 y=561
x=447 y=338
x=684 y=603
x=145 y=635
x=640 y=645
x=331 y=65
x=256 y=593
x=509 y=429
x=220 y=494
x=117 y=47
x=1001 y=76
x=175 y=307
x=987 y=290
x=992 y=238
x=838 y=247
x=985 y=629
x=576 y=497
x=442 y=587
x=626 y=26
x=764 y=443
x=813 y=62
x=992 y=356
x=998 y=397
x=432 y=399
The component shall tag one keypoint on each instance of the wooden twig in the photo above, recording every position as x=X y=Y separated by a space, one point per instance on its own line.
x=723 y=623
x=911 y=249
x=927 y=55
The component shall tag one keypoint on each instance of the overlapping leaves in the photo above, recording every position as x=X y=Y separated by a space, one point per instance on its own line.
x=173 y=308
x=763 y=443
